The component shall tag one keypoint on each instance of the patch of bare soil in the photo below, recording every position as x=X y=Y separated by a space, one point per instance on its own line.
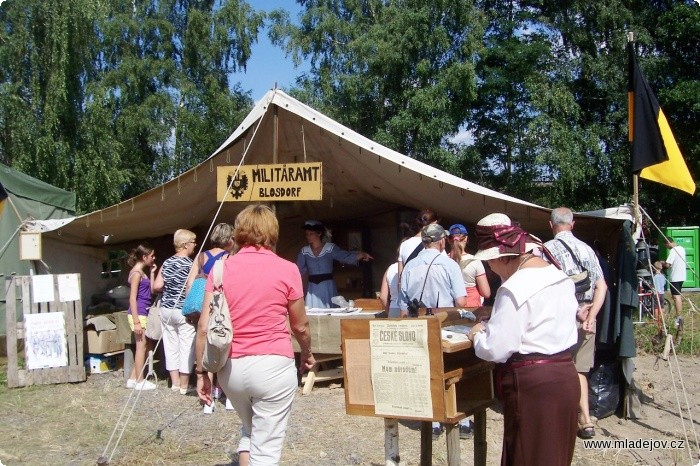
x=72 y=424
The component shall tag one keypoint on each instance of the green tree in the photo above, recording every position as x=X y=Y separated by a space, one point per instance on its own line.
x=400 y=72
x=108 y=98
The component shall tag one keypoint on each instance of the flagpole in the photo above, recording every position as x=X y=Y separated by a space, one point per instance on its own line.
x=630 y=122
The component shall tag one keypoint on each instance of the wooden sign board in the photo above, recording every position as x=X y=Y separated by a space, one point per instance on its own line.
x=270 y=183
x=460 y=383
x=357 y=364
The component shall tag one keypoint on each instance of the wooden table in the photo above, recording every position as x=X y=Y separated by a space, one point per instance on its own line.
x=461 y=384
x=325 y=344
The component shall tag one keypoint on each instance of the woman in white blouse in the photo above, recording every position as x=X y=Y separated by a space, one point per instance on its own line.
x=529 y=334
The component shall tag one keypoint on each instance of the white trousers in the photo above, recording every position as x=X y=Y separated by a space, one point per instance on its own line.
x=261 y=389
x=178 y=341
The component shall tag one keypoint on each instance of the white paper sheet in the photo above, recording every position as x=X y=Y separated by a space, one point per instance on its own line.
x=68 y=287
x=42 y=288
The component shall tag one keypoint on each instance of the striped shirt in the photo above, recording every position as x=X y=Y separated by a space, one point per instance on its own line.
x=174 y=270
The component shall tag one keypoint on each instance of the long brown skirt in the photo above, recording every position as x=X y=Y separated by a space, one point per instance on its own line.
x=540 y=403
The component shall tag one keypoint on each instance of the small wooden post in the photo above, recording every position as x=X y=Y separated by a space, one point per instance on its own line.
x=453 y=452
x=480 y=444
x=426 y=443
x=391 y=442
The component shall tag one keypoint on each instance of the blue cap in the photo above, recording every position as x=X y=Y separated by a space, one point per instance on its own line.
x=458 y=229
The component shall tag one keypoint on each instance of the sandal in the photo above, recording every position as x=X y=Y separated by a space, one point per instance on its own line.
x=586 y=431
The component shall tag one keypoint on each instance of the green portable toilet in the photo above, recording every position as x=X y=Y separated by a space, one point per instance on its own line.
x=689 y=238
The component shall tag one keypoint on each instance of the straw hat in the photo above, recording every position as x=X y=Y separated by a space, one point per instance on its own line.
x=494 y=252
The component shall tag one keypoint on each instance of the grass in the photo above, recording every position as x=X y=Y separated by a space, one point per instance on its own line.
x=689 y=338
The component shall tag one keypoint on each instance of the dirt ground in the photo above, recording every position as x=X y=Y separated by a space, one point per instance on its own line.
x=71 y=424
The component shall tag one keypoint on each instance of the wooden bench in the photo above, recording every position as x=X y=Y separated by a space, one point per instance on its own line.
x=320 y=372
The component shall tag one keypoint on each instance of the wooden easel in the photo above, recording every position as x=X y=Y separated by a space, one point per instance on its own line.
x=461 y=385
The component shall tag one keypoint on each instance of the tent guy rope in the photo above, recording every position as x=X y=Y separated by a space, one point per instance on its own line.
x=125 y=415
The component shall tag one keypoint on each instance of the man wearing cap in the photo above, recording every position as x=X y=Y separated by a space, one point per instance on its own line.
x=562 y=247
x=432 y=277
x=473 y=272
x=435 y=280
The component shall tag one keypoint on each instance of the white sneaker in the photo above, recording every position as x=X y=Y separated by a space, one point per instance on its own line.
x=145 y=385
x=131 y=383
x=208 y=409
x=229 y=406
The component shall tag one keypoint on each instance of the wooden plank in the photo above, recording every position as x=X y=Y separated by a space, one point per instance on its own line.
x=426 y=443
x=369 y=304
x=326 y=375
x=78 y=313
x=480 y=445
x=452 y=440
x=391 y=442
x=11 y=331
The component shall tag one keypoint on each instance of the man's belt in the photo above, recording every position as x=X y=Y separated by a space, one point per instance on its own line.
x=321 y=277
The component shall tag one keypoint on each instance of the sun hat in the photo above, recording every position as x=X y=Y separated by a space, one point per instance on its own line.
x=458 y=229
x=496 y=237
x=432 y=233
x=313 y=225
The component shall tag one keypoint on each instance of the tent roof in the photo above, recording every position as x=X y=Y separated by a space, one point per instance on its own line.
x=22 y=185
x=361 y=178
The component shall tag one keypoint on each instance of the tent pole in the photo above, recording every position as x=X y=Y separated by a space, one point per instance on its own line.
x=275 y=144
x=635 y=200
x=630 y=117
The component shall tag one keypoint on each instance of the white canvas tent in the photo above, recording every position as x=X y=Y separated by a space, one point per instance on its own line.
x=366 y=187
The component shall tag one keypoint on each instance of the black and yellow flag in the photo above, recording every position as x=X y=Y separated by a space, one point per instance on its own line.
x=655 y=154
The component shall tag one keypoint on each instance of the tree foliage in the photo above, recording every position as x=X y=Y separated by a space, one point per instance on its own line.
x=400 y=72
x=109 y=98
x=543 y=96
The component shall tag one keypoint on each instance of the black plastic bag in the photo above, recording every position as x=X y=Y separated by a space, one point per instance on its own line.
x=604 y=389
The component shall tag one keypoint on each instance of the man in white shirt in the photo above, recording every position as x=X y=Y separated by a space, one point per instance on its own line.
x=563 y=247
x=678 y=273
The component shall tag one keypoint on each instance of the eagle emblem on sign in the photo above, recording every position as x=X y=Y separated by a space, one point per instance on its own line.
x=237 y=185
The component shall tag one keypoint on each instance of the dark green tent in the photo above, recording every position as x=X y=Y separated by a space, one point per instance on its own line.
x=27 y=199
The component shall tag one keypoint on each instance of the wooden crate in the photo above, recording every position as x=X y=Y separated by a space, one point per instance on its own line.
x=72 y=311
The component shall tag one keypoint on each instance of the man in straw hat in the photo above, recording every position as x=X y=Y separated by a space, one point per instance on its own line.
x=529 y=334
x=590 y=302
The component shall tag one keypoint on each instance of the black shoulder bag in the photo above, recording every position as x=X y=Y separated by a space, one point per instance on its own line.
x=582 y=280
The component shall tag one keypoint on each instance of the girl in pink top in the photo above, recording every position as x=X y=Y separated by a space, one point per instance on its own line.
x=262 y=291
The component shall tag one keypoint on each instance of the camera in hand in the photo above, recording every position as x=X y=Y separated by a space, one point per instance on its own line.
x=413 y=306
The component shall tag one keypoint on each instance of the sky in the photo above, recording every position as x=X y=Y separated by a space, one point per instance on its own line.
x=268 y=64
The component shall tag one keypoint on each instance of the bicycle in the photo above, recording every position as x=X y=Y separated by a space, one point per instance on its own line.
x=649 y=311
